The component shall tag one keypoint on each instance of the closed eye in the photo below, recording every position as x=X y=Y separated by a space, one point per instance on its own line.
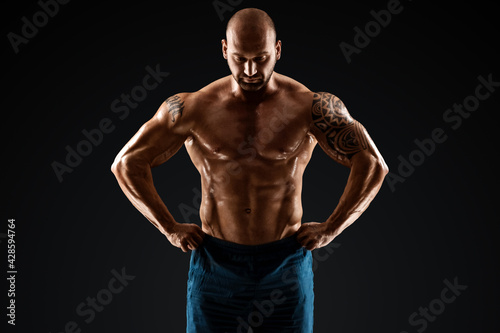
x=241 y=59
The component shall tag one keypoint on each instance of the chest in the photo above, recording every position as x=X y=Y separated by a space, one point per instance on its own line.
x=268 y=130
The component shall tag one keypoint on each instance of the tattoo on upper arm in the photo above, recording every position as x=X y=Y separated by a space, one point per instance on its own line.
x=343 y=134
x=175 y=106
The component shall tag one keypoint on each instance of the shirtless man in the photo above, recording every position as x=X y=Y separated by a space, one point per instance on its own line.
x=251 y=135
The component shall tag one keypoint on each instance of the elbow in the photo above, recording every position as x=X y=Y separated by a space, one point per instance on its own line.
x=128 y=165
x=122 y=165
x=372 y=164
x=117 y=166
x=376 y=165
x=381 y=169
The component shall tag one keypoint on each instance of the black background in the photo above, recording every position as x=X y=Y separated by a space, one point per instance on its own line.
x=439 y=224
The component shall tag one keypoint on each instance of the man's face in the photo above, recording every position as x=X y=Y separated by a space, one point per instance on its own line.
x=251 y=58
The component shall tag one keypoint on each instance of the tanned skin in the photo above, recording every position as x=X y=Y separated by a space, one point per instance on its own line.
x=251 y=136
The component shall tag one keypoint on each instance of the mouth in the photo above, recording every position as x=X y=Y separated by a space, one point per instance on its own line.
x=251 y=83
x=251 y=80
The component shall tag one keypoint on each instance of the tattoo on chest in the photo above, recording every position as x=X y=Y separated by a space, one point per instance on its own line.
x=343 y=134
x=175 y=106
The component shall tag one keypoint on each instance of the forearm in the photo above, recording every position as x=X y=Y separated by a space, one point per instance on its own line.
x=364 y=182
x=136 y=181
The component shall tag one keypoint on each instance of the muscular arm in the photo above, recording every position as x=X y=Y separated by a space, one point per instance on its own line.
x=157 y=140
x=346 y=141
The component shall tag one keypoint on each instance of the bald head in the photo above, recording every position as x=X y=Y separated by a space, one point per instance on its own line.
x=251 y=48
x=251 y=21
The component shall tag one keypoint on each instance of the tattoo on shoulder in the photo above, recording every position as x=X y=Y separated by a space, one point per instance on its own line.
x=343 y=134
x=175 y=106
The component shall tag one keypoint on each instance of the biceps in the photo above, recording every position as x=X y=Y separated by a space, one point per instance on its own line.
x=337 y=132
x=341 y=143
x=154 y=143
x=346 y=140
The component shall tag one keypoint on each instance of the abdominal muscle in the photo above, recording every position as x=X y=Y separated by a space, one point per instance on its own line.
x=251 y=205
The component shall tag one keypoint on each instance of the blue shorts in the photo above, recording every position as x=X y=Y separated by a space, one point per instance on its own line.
x=234 y=288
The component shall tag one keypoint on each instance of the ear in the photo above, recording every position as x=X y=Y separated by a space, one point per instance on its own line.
x=278 y=50
x=224 y=48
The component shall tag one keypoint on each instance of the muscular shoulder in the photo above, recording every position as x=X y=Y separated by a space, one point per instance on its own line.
x=216 y=88
x=179 y=110
x=293 y=89
x=326 y=106
x=290 y=85
x=206 y=96
x=188 y=105
x=295 y=92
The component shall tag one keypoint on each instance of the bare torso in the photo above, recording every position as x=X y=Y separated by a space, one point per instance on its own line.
x=251 y=158
x=251 y=135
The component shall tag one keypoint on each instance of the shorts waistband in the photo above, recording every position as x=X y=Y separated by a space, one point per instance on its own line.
x=284 y=244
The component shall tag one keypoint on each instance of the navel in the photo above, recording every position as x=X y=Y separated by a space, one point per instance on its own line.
x=248 y=210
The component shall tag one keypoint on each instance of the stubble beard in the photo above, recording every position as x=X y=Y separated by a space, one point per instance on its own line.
x=253 y=86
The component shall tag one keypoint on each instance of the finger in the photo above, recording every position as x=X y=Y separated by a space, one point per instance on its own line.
x=196 y=230
x=304 y=241
x=184 y=246
x=191 y=244
x=299 y=233
x=310 y=244
x=314 y=245
x=201 y=233
x=303 y=236
x=195 y=238
x=198 y=238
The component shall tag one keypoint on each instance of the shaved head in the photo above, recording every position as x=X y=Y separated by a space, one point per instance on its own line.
x=251 y=48
x=250 y=21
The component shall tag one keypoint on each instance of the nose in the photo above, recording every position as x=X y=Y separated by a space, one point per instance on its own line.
x=250 y=68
